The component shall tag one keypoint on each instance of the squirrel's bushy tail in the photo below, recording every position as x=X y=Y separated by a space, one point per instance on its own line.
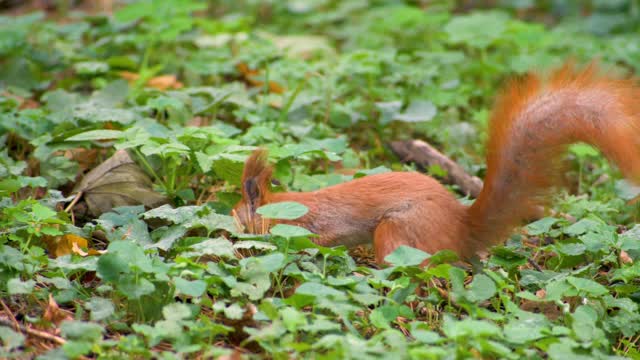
x=532 y=124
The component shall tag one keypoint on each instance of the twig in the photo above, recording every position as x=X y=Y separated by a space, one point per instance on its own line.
x=41 y=334
x=534 y=264
x=74 y=201
x=16 y=324
x=425 y=155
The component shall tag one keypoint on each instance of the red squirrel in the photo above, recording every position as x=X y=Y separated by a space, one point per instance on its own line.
x=533 y=122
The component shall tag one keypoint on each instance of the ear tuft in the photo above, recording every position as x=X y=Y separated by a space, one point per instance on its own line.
x=256 y=178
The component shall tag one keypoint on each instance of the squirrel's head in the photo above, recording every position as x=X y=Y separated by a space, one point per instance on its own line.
x=255 y=190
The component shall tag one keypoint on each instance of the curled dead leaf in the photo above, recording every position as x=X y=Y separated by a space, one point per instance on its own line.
x=118 y=181
x=53 y=314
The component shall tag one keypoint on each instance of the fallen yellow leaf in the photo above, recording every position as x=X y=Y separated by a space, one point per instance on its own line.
x=66 y=244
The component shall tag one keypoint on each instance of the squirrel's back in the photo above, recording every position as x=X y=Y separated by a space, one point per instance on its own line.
x=348 y=213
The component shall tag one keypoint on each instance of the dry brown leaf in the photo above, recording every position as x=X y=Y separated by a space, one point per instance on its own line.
x=162 y=82
x=129 y=76
x=85 y=158
x=248 y=75
x=198 y=121
x=54 y=314
x=24 y=103
x=625 y=258
x=165 y=82
x=244 y=70
x=29 y=104
x=548 y=309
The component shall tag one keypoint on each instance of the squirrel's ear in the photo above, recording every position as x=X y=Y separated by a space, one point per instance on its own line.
x=252 y=193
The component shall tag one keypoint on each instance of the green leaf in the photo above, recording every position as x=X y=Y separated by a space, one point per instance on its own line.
x=177 y=311
x=98 y=113
x=292 y=318
x=506 y=257
x=218 y=246
x=17 y=286
x=81 y=330
x=627 y=273
x=383 y=316
x=91 y=67
x=564 y=350
x=367 y=172
x=584 y=324
x=250 y=244
x=267 y=263
x=318 y=290
x=587 y=287
x=100 y=308
x=541 y=226
x=469 y=328
x=477 y=30
x=10 y=339
x=582 y=150
x=42 y=213
x=571 y=249
x=9 y=186
x=626 y=189
x=176 y=215
x=286 y=210
x=135 y=287
x=582 y=226
x=226 y=166
x=481 y=288
x=290 y=231
x=165 y=102
x=556 y=290
x=193 y=288
x=212 y=222
x=522 y=331
x=406 y=256
x=96 y=135
x=112 y=95
x=443 y=257
x=123 y=257
x=417 y=111
x=110 y=266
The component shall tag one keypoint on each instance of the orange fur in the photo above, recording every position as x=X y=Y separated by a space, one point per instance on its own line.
x=532 y=123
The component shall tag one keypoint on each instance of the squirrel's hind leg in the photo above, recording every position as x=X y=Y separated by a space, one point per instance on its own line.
x=427 y=228
x=392 y=233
